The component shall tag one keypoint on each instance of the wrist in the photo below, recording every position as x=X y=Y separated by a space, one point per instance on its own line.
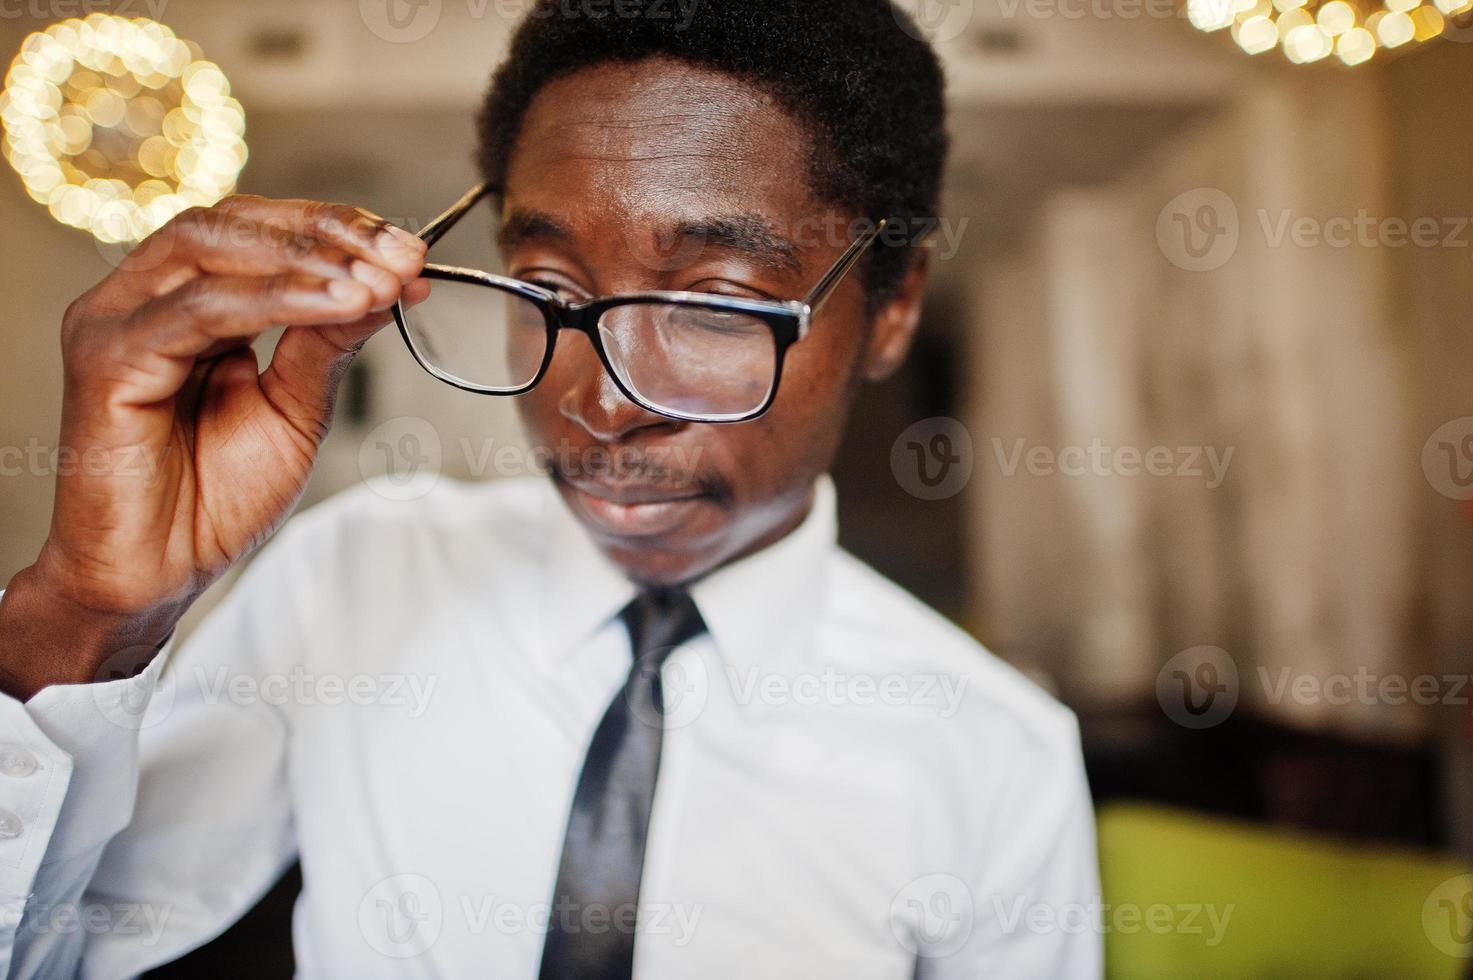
x=49 y=636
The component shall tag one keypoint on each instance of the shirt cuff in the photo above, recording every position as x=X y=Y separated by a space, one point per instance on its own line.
x=69 y=771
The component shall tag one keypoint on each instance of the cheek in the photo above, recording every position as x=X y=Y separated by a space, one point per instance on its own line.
x=817 y=381
x=573 y=365
x=789 y=446
x=538 y=409
x=796 y=439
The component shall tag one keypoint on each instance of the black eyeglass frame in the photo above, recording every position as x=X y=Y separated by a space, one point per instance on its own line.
x=789 y=320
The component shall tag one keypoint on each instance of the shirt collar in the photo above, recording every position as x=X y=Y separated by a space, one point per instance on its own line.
x=755 y=608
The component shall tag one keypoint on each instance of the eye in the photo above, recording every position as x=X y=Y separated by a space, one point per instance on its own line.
x=724 y=287
x=731 y=323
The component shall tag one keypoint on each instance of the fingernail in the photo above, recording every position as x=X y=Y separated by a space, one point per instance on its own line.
x=407 y=237
x=345 y=290
x=395 y=241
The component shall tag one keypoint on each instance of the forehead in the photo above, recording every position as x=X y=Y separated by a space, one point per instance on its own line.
x=658 y=139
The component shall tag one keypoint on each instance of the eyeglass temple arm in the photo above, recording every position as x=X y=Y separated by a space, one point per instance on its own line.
x=821 y=292
x=437 y=228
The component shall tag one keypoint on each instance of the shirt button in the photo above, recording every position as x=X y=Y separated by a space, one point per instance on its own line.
x=17 y=762
x=10 y=825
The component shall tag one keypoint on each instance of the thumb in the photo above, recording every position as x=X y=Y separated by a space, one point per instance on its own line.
x=309 y=363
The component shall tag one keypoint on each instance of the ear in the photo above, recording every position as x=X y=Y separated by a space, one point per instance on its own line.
x=895 y=323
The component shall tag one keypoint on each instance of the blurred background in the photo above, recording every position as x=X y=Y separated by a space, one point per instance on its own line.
x=1188 y=436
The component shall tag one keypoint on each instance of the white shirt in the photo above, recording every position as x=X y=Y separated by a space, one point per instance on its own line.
x=401 y=693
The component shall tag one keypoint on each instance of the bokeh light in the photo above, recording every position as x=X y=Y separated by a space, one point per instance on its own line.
x=1310 y=30
x=117 y=125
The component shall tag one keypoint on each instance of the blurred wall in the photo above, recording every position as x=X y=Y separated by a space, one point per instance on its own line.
x=1198 y=304
x=43 y=267
x=1431 y=145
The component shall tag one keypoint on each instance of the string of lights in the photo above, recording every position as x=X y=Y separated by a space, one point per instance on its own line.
x=117 y=125
x=1311 y=30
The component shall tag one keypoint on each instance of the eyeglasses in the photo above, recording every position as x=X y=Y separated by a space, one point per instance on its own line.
x=698 y=357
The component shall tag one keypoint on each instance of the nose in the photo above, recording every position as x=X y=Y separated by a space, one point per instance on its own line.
x=590 y=398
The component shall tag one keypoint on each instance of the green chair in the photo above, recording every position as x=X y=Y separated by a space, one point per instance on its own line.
x=1191 y=897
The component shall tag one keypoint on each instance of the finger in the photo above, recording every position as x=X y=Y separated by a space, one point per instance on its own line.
x=309 y=364
x=355 y=230
x=146 y=356
x=345 y=335
x=204 y=364
x=223 y=242
x=207 y=309
x=348 y=333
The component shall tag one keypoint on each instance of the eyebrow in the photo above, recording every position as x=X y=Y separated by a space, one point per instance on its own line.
x=521 y=227
x=748 y=234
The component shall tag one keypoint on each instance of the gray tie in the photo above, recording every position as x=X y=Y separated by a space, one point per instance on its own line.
x=595 y=906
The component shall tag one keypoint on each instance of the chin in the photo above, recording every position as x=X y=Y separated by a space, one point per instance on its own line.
x=653 y=562
x=658 y=543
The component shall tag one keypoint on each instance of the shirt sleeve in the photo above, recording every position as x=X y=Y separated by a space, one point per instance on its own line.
x=1035 y=905
x=140 y=817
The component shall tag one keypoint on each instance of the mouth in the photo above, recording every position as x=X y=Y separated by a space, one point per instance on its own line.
x=635 y=510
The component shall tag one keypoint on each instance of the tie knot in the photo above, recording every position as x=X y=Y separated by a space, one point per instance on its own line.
x=658 y=621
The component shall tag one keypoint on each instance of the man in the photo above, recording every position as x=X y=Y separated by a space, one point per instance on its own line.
x=501 y=817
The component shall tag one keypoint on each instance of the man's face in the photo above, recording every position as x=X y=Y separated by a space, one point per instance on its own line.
x=616 y=172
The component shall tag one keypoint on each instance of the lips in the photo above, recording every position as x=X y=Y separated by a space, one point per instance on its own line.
x=635 y=511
